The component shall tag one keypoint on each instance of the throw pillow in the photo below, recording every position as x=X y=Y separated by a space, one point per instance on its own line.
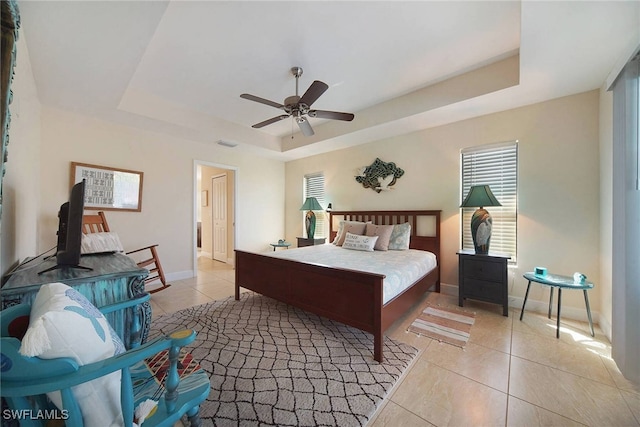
x=95 y=243
x=400 y=236
x=353 y=227
x=359 y=243
x=384 y=235
x=63 y=323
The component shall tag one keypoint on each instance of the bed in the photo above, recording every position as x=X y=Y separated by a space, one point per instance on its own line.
x=353 y=297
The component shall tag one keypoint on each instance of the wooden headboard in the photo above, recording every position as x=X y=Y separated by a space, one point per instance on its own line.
x=425 y=225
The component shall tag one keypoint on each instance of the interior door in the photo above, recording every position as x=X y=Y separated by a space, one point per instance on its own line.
x=219 y=217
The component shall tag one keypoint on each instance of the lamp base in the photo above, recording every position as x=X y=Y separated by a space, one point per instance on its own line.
x=481 y=223
x=310 y=224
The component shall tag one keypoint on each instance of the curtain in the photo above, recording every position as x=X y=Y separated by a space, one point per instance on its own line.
x=10 y=18
x=626 y=221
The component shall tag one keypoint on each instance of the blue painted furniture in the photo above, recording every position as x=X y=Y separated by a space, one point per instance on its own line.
x=158 y=369
x=560 y=282
x=113 y=278
x=280 y=245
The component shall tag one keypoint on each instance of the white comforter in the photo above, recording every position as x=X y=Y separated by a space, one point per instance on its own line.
x=401 y=268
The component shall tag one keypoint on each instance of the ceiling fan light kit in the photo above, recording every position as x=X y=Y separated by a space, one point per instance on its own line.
x=299 y=108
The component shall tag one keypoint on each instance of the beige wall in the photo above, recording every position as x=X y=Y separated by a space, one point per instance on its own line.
x=558 y=215
x=169 y=193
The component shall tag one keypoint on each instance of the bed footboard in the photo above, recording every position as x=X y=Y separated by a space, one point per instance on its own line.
x=347 y=296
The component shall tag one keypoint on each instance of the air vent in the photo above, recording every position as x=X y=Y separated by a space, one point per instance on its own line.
x=227 y=143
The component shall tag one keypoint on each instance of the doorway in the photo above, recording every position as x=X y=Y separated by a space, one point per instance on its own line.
x=214 y=224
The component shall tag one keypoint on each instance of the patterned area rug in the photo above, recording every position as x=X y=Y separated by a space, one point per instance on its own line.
x=445 y=324
x=274 y=365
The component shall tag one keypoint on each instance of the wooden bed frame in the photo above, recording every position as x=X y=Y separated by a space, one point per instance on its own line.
x=347 y=296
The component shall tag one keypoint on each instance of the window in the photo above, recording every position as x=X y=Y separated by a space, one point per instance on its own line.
x=495 y=165
x=314 y=187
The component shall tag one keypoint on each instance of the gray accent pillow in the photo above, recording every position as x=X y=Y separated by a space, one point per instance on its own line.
x=400 y=236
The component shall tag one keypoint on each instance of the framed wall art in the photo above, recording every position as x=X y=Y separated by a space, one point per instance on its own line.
x=109 y=188
x=379 y=176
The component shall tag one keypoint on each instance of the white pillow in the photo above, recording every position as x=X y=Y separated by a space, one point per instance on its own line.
x=353 y=227
x=95 y=243
x=359 y=243
x=63 y=323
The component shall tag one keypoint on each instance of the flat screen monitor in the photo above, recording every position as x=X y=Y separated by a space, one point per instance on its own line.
x=69 y=245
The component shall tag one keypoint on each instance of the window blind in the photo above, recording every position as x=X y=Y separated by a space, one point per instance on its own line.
x=495 y=165
x=314 y=187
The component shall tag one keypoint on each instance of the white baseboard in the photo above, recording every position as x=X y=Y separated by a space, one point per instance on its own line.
x=573 y=313
x=448 y=289
x=180 y=275
x=605 y=326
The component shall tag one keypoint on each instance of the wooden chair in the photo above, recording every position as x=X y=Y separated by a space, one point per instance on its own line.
x=149 y=260
x=158 y=370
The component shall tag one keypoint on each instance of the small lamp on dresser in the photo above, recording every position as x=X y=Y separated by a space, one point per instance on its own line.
x=480 y=196
x=310 y=205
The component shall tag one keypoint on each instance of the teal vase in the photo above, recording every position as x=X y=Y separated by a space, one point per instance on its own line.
x=310 y=223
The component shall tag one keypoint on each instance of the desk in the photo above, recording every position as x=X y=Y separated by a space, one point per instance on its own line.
x=114 y=278
x=560 y=282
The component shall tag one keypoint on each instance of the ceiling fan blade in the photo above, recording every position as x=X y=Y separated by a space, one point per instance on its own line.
x=261 y=100
x=305 y=127
x=316 y=89
x=333 y=115
x=270 y=121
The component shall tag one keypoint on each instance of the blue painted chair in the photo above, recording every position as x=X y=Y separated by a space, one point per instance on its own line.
x=159 y=369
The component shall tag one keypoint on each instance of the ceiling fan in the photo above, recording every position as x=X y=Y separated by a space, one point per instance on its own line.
x=300 y=107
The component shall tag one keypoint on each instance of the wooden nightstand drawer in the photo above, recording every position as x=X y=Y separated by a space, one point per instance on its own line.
x=481 y=289
x=310 y=242
x=483 y=270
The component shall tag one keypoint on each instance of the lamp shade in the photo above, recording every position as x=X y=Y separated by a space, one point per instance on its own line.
x=311 y=204
x=479 y=196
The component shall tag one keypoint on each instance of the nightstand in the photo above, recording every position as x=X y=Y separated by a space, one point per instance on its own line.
x=484 y=278
x=303 y=241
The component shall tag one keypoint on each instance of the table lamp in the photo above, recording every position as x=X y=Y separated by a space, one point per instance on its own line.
x=310 y=205
x=478 y=197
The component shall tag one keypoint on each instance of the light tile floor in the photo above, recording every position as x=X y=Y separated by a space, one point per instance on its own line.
x=511 y=373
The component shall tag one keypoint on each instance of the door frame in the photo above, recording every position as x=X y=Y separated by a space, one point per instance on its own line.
x=230 y=221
